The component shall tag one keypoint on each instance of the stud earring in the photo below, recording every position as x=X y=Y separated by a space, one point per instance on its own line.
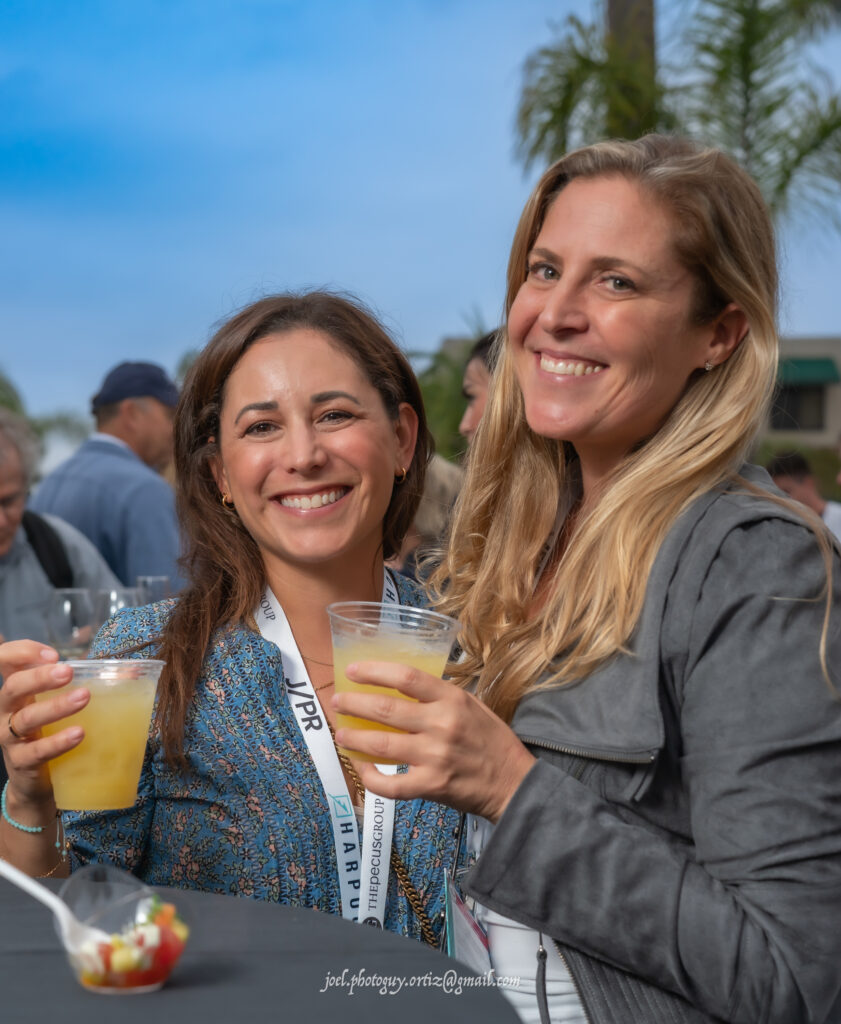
x=708 y=366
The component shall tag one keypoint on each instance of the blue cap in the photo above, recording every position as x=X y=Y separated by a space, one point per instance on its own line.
x=136 y=380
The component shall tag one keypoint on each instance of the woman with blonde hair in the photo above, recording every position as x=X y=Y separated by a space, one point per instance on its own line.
x=646 y=733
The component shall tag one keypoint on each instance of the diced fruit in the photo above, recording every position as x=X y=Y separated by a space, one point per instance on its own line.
x=169 y=949
x=105 y=949
x=165 y=915
x=125 y=959
x=142 y=955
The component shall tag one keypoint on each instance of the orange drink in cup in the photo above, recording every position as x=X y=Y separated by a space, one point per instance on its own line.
x=103 y=771
x=378 y=631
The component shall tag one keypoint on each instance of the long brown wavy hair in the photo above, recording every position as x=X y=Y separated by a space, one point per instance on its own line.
x=221 y=559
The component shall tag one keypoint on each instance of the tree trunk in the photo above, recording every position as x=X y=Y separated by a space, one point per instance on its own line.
x=632 y=97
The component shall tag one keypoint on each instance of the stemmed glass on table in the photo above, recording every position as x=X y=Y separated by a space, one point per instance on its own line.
x=71 y=621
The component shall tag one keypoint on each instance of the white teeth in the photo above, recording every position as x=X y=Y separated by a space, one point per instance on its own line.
x=568 y=368
x=313 y=500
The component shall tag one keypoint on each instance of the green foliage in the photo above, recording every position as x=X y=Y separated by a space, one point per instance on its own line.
x=564 y=85
x=9 y=395
x=67 y=423
x=584 y=86
x=740 y=80
x=440 y=383
x=754 y=93
x=184 y=364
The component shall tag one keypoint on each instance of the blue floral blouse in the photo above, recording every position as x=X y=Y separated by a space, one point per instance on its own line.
x=249 y=816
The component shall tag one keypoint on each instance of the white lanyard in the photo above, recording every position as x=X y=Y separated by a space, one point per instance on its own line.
x=361 y=875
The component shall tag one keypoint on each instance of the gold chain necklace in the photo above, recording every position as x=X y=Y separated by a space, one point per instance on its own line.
x=326 y=664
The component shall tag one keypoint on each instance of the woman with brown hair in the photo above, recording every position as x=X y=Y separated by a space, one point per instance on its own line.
x=648 y=731
x=301 y=447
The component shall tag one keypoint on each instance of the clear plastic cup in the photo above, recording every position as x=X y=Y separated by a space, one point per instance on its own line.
x=377 y=631
x=145 y=935
x=103 y=771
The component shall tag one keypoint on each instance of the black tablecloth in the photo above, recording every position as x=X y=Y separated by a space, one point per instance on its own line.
x=246 y=961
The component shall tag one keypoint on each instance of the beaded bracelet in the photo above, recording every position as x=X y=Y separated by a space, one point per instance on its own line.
x=35 y=829
x=16 y=824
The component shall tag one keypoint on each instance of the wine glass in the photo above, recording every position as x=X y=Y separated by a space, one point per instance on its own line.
x=153 y=588
x=109 y=602
x=71 y=621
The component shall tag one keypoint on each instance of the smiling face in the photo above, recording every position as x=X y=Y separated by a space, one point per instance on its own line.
x=600 y=330
x=308 y=452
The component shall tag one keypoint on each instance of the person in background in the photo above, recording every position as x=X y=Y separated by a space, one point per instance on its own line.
x=301 y=447
x=475 y=383
x=111 y=488
x=647 y=734
x=792 y=473
x=428 y=530
x=37 y=553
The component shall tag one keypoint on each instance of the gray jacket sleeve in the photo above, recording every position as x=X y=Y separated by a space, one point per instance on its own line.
x=738 y=909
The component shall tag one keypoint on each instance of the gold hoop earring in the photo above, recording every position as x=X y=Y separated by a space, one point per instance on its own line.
x=226 y=500
x=401 y=477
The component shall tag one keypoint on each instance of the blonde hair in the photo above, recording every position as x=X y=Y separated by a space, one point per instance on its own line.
x=507 y=509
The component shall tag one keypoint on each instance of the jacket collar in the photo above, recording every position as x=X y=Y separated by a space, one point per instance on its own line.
x=615 y=713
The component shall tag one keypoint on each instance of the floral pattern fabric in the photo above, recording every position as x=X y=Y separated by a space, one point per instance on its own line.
x=249 y=816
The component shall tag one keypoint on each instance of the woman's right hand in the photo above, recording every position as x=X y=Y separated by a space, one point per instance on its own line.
x=27 y=668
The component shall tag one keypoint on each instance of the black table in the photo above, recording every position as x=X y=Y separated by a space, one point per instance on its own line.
x=245 y=961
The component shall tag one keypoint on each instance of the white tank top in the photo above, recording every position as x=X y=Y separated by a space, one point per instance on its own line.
x=513 y=950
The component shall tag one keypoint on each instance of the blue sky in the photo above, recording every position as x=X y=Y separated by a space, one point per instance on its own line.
x=164 y=162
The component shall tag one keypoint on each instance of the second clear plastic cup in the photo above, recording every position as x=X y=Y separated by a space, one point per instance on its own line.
x=375 y=631
x=103 y=771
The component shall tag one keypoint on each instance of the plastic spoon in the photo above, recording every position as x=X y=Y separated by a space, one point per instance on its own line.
x=74 y=934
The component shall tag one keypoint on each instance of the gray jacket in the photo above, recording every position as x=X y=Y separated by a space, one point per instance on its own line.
x=680 y=834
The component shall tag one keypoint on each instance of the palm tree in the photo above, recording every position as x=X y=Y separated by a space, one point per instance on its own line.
x=749 y=89
x=594 y=80
x=633 y=106
x=754 y=94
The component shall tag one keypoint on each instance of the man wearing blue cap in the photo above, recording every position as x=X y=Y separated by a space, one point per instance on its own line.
x=110 y=489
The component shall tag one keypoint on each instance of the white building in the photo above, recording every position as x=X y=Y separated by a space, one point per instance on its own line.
x=807 y=407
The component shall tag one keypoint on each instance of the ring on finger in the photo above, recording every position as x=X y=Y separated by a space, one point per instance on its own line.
x=14 y=731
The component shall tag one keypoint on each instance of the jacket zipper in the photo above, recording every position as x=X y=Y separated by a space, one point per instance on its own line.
x=591 y=755
x=575 y=984
x=625 y=758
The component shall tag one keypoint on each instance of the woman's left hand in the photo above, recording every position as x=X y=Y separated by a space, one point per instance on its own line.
x=459 y=752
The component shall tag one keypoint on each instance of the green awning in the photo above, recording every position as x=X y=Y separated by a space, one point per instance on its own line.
x=801 y=370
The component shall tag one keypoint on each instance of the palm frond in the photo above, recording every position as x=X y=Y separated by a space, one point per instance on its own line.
x=560 y=100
